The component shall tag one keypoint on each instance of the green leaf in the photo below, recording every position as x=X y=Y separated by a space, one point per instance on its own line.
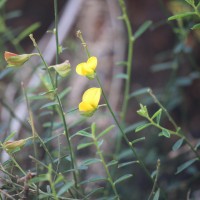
x=138 y=140
x=84 y=133
x=59 y=179
x=185 y=165
x=158 y=117
x=141 y=127
x=122 y=63
x=165 y=133
x=197 y=146
x=107 y=130
x=196 y=26
x=156 y=114
x=112 y=162
x=46 y=93
x=84 y=145
x=26 y=32
x=134 y=126
x=46 y=140
x=164 y=66
x=39 y=178
x=178 y=144
x=93 y=191
x=157 y=194
x=56 y=125
x=127 y=164
x=93 y=128
x=2 y=2
x=180 y=16
x=93 y=179
x=65 y=188
x=64 y=92
x=99 y=143
x=91 y=161
x=139 y=92
x=122 y=75
x=10 y=136
x=50 y=104
x=123 y=178
x=142 y=29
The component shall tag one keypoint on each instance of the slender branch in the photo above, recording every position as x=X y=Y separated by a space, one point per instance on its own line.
x=104 y=164
x=122 y=132
x=129 y=59
x=155 y=181
x=73 y=165
x=164 y=109
x=56 y=36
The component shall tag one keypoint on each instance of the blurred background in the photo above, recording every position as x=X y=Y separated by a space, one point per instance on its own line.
x=165 y=58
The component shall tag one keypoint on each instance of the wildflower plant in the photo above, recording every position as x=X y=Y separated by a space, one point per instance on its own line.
x=61 y=174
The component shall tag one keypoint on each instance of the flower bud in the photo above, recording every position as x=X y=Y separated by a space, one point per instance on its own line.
x=15 y=60
x=62 y=69
x=10 y=146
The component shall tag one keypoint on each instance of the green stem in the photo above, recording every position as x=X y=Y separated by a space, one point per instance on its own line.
x=155 y=181
x=79 y=35
x=129 y=59
x=122 y=132
x=17 y=165
x=52 y=183
x=177 y=128
x=56 y=35
x=177 y=134
x=104 y=164
x=33 y=134
x=73 y=165
x=164 y=109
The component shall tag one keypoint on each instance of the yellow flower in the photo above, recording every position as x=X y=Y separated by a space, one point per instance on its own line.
x=87 y=68
x=15 y=60
x=62 y=69
x=11 y=146
x=90 y=101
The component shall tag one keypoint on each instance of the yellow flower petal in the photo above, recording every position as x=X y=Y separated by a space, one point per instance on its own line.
x=92 y=63
x=85 y=107
x=92 y=96
x=90 y=101
x=87 y=68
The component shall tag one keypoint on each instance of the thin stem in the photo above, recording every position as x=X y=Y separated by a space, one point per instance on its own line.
x=177 y=128
x=52 y=183
x=164 y=109
x=56 y=36
x=73 y=165
x=122 y=132
x=104 y=164
x=129 y=59
x=79 y=35
x=33 y=133
x=175 y=133
x=17 y=165
x=155 y=181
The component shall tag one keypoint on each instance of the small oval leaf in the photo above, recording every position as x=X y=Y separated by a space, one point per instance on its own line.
x=180 y=16
x=178 y=144
x=123 y=178
x=141 y=127
x=185 y=165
